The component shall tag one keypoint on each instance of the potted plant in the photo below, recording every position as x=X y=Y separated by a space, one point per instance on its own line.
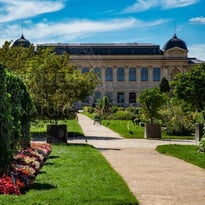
x=150 y=102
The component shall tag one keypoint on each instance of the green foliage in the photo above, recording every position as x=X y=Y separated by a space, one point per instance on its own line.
x=190 y=87
x=16 y=110
x=164 y=85
x=176 y=120
x=22 y=110
x=202 y=144
x=122 y=115
x=14 y=58
x=150 y=102
x=6 y=134
x=188 y=153
x=55 y=86
x=103 y=105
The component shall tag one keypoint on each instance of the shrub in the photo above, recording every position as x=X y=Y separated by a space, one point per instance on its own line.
x=202 y=144
x=123 y=115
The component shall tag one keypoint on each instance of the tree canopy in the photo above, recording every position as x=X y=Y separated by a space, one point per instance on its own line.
x=55 y=86
x=150 y=102
x=190 y=87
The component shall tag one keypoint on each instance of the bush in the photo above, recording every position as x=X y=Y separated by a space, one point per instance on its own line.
x=202 y=145
x=123 y=115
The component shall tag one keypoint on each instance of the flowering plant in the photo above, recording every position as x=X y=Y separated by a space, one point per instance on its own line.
x=24 y=167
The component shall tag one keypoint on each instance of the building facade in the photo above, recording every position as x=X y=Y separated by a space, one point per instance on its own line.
x=124 y=70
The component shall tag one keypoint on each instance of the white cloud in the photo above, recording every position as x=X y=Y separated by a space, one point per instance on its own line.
x=198 y=51
x=20 y=9
x=199 y=20
x=143 y=5
x=46 y=32
x=169 y=4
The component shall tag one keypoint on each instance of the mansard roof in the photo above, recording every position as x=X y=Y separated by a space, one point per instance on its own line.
x=106 y=48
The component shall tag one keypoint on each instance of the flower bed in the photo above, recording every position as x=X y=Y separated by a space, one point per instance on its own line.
x=24 y=168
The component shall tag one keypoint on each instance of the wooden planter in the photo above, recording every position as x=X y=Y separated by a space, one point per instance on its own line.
x=58 y=131
x=152 y=131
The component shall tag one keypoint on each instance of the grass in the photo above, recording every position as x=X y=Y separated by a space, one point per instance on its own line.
x=188 y=153
x=75 y=175
x=125 y=128
x=72 y=126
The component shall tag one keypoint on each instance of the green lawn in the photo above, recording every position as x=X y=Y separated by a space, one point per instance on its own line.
x=188 y=153
x=75 y=175
x=72 y=126
x=125 y=128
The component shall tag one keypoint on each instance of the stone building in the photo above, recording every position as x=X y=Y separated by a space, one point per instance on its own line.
x=124 y=70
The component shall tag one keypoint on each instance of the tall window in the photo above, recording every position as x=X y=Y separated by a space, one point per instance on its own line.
x=85 y=70
x=156 y=74
x=144 y=74
x=132 y=98
x=120 y=74
x=132 y=74
x=97 y=72
x=108 y=74
x=120 y=98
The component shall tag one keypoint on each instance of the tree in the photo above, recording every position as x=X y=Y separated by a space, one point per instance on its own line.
x=55 y=86
x=190 y=87
x=164 y=85
x=150 y=102
x=103 y=105
x=14 y=58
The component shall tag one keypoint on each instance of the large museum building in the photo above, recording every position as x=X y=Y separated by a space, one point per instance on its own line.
x=125 y=69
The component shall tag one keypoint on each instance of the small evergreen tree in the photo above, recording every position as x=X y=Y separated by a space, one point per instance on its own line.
x=164 y=85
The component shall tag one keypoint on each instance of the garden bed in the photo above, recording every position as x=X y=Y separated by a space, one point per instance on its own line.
x=24 y=168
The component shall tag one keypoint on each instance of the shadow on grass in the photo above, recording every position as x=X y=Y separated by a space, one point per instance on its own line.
x=53 y=157
x=42 y=186
x=41 y=172
x=48 y=163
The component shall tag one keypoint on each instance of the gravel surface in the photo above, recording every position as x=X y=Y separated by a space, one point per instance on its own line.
x=154 y=179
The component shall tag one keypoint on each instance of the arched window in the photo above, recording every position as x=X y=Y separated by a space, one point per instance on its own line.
x=97 y=72
x=174 y=72
x=156 y=74
x=108 y=74
x=120 y=74
x=85 y=70
x=132 y=74
x=120 y=98
x=132 y=97
x=144 y=74
x=97 y=96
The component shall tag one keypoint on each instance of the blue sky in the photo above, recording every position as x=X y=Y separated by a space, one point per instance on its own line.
x=105 y=21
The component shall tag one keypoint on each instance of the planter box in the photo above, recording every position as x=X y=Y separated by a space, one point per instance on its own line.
x=58 y=131
x=152 y=131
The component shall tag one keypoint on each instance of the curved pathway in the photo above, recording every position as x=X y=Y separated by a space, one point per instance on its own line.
x=154 y=179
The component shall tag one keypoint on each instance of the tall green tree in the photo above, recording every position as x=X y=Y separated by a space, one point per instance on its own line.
x=15 y=58
x=55 y=86
x=151 y=101
x=190 y=87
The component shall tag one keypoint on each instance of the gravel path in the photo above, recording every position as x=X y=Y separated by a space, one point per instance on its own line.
x=154 y=179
